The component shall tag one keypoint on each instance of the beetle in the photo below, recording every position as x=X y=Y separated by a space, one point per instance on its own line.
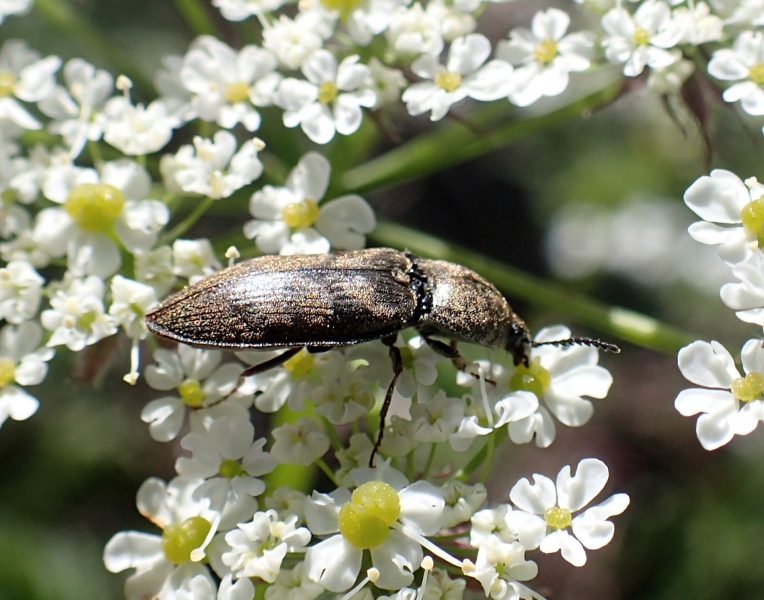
x=325 y=301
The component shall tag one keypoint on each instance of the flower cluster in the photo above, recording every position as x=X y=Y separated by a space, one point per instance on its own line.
x=729 y=403
x=220 y=521
x=91 y=244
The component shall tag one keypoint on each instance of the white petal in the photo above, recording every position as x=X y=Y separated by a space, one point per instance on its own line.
x=334 y=563
x=422 y=507
x=693 y=401
x=716 y=429
x=718 y=198
x=132 y=549
x=577 y=491
x=396 y=558
x=534 y=498
x=709 y=365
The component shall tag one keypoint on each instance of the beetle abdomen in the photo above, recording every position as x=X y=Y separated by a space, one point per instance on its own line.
x=277 y=301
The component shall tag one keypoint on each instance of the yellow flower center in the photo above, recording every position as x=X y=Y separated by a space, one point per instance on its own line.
x=558 y=518
x=85 y=321
x=344 y=7
x=7 y=83
x=180 y=539
x=7 y=371
x=365 y=520
x=756 y=73
x=300 y=214
x=236 y=92
x=641 y=37
x=545 y=51
x=95 y=206
x=533 y=378
x=448 y=81
x=230 y=468
x=749 y=387
x=327 y=92
x=191 y=392
x=752 y=217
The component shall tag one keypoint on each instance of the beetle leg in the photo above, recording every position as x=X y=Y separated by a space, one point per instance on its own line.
x=255 y=369
x=395 y=356
x=451 y=352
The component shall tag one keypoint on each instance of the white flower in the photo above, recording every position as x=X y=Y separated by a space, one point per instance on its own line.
x=330 y=100
x=368 y=18
x=299 y=443
x=414 y=31
x=293 y=585
x=699 y=25
x=546 y=511
x=135 y=129
x=543 y=56
x=198 y=378
x=131 y=300
x=20 y=291
x=227 y=85
x=211 y=168
x=435 y=420
x=77 y=109
x=560 y=377
x=500 y=566
x=194 y=259
x=238 y=10
x=14 y=7
x=243 y=589
x=163 y=566
x=98 y=206
x=285 y=216
x=641 y=40
x=155 y=268
x=385 y=82
x=463 y=76
x=743 y=63
x=492 y=521
x=76 y=315
x=292 y=41
x=734 y=405
x=22 y=363
x=383 y=515
x=492 y=406
x=670 y=80
x=747 y=296
x=26 y=77
x=259 y=547
x=225 y=453
x=723 y=198
x=462 y=501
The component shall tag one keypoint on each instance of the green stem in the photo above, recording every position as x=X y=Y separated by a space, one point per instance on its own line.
x=327 y=471
x=196 y=16
x=454 y=143
x=430 y=458
x=479 y=459
x=489 y=448
x=75 y=27
x=333 y=435
x=187 y=222
x=615 y=321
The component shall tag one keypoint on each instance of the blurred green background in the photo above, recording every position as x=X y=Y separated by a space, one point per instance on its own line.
x=593 y=203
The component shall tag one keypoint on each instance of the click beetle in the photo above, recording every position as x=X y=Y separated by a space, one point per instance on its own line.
x=325 y=301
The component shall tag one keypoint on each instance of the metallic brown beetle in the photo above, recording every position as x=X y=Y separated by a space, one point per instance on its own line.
x=323 y=301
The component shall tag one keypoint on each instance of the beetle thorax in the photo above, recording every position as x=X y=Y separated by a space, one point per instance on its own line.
x=464 y=306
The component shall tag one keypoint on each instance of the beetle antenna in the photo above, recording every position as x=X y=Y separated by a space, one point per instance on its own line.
x=582 y=341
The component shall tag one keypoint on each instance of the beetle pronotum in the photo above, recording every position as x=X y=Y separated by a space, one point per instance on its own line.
x=324 y=301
